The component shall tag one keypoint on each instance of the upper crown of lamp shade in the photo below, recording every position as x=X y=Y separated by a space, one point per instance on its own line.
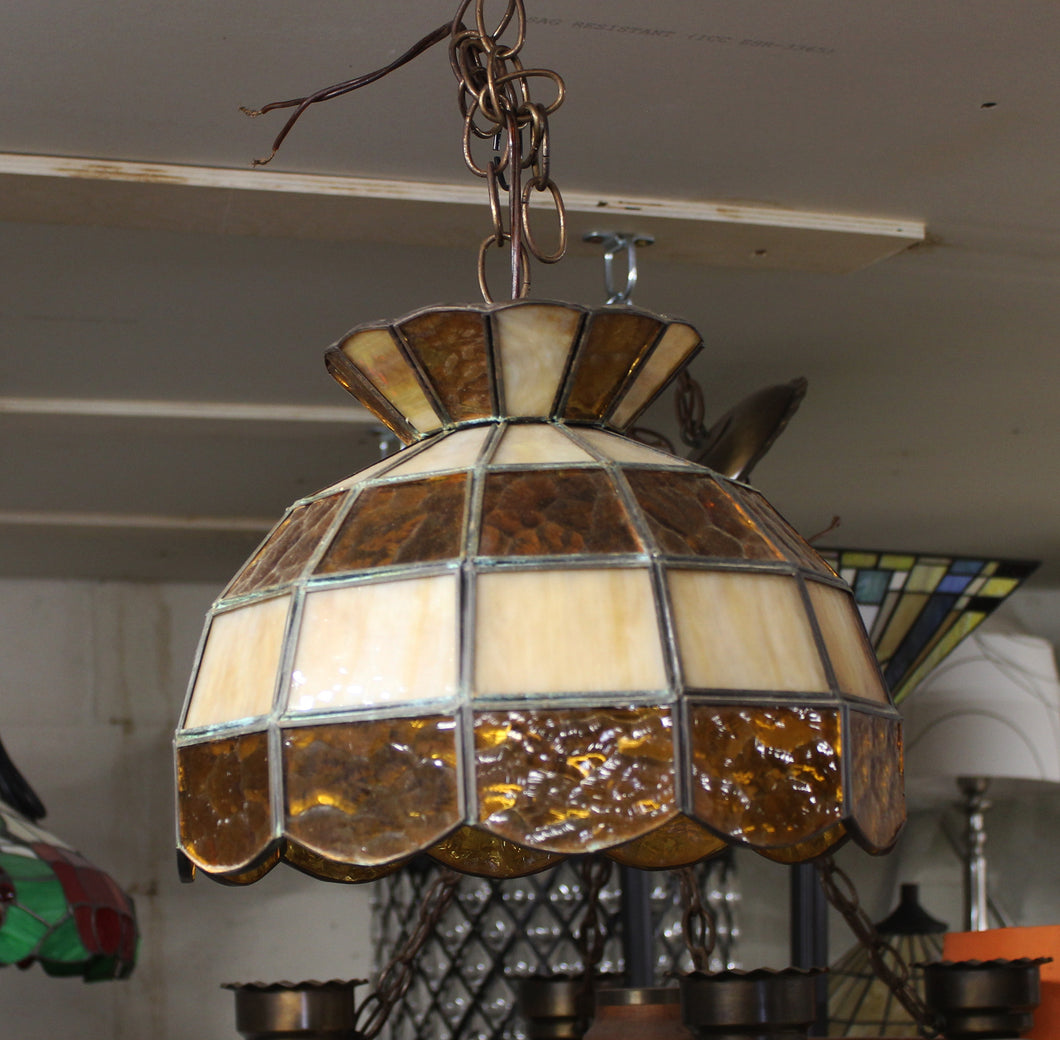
x=443 y=366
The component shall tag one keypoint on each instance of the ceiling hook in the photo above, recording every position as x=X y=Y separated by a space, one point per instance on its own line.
x=615 y=242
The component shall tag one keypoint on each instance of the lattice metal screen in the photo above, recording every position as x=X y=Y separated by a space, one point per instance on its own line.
x=494 y=932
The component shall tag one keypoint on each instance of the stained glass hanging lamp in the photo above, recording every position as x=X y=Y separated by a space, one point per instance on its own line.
x=526 y=636
x=57 y=909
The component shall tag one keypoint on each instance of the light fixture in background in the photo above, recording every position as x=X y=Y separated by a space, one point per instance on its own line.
x=57 y=909
x=990 y=712
x=917 y=607
x=859 y=1002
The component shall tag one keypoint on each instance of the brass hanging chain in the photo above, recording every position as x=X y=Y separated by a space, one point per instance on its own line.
x=592 y=933
x=496 y=105
x=698 y=924
x=887 y=963
x=395 y=979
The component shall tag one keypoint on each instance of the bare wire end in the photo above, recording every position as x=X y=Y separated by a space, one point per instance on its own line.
x=252 y=112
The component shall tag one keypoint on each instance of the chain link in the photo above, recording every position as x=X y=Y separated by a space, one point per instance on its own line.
x=592 y=933
x=698 y=923
x=496 y=104
x=887 y=963
x=395 y=979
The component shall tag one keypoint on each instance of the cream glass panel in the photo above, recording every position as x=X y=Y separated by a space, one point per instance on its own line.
x=852 y=658
x=536 y=443
x=365 y=645
x=583 y=631
x=533 y=343
x=237 y=675
x=744 y=631
x=676 y=344
x=376 y=354
x=457 y=450
x=362 y=474
x=622 y=449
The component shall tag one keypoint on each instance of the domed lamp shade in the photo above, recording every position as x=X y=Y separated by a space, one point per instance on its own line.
x=527 y=636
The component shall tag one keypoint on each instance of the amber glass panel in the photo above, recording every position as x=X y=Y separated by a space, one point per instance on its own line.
x=451 y=346
x=676 y=843
x=609 y=349
x=574 y=780
x=284 y=555
x=848 y=647
x=320 y=866
x=553 y=511
x=787 y=539
x=408 y=522
x=223 y=799
x=365 y=793
x=691 y=515
x=807 y=850
x=472 y=851
x=766 y=776
x=878 y=797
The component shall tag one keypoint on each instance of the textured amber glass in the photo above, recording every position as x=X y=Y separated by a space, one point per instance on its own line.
x=286 y=552
x=451 y=347
x=237 y=674
x=778 y=529
x=553 y=512
x=802 y=851
x=743 y=631
x=574 y=780
x=370 y=792
x=609 y=350
x=331 y=870
x=582 y=630
x=878 y=798
x=473 y=851
x=766 y=776
x=676 y=843
x=223 y=801
x=691 y=515
x=848 y=648
x=408 y=522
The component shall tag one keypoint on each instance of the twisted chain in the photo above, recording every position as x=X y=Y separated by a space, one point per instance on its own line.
x=591 y=935
x=395 y=978
x=697 y=920
x=496 y=105
x=887 y=963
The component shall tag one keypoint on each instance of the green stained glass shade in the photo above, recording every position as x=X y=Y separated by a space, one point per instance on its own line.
x=917 y=607
x=57 y=909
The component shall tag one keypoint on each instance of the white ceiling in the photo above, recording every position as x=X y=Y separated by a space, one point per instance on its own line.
x=931 y=421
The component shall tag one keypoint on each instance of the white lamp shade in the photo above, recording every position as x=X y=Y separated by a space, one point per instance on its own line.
x=992 y=709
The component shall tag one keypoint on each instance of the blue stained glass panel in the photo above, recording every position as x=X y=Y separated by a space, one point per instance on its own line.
x=966 y=567
x=926 y=625
x=871 y=586
x=954 y=583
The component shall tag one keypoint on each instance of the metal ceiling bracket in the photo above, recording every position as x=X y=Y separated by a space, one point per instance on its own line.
x=615 y=242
